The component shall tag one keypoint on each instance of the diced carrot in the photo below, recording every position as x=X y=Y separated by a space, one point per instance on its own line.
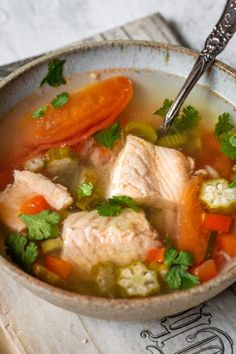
x=215 y=222
x=35 y=205
x=89 y=110
x=58 y=266
x=156 y=255
x=205 y=271
x=191 y=235
x=227 y=243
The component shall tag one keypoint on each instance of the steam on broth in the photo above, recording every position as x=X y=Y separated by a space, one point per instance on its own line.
x=93 y=200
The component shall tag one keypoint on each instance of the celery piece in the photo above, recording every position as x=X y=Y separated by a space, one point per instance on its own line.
x=142 y=130
x=217 y=197
x=51 y=245
x=137 y=279
x=43 y=274
x=173 y=140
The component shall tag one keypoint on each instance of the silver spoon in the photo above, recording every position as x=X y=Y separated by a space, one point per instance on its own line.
x=214 y=45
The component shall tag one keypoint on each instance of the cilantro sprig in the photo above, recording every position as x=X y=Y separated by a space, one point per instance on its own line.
x=188 y=119
x=226 y=134
x=43 y=225
x=39 y=112
x=54 y=76
x=114 y=206
x=22 y=251
x=178 y=276
x=109 y=136
x=60 y=100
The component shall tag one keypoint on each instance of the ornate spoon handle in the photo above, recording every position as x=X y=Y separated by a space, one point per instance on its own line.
x=215 y=44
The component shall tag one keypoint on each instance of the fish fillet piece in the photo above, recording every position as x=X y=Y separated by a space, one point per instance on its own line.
x=90 y=238
x=150 y=174
x=27 y=185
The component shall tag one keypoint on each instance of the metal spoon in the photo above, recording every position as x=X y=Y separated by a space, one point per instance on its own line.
x=214 y=45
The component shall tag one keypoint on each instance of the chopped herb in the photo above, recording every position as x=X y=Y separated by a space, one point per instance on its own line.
x=226 y=146
x=189 y=119
x=114 y=206
x=54 y=76
x=232 y=184
x=43 y=225
x=85 y=189
x=224 y=124
x=109 y=136
x=60 y=100
x=22 y=251
x=164 y=109
x=178 y=276
x=39 y=112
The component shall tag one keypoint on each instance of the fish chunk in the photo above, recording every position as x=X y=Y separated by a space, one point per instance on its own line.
x=90 y=238
x=152 y=175
x=27 y=185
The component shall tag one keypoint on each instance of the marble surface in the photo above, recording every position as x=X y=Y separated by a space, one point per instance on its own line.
x=30 y=27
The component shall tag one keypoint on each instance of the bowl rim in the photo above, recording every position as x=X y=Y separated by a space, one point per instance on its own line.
x=29 y=281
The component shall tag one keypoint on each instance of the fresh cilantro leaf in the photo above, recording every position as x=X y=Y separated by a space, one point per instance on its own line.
x=43 y=225
x=179 y=278
x=113 y=206
x=21 y=250
x=60 y=100
x=232 y=140
x=109 y=136
x=223 y=125
x=164 y=109
x=85 y=189
x=232 y=184
x=54 y=76
x=126 y=202
x=225 y=144
x=39 y=112
x=109 y=208
x=189 y=119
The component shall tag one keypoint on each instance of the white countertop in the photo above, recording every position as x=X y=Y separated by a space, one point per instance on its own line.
x=29 y=27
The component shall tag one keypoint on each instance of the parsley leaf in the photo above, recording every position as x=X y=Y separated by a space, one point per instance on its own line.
x=114 y=206
x=164 y=109
x=189 y=119
x=178 y=276
x=226 y=146
x=39 y=112
x=223 y=125
x=21 y=250
x=43 y=225
x=109 y=136
x=60 y=100
x=85 y=189
x=54 y=76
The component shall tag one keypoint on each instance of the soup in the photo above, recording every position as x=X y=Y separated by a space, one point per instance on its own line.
x=95 y=200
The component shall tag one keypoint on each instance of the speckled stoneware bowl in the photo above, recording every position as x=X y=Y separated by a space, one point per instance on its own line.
x=108 y=55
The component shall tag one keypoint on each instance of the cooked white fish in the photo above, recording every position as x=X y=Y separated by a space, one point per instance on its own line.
x=90 y=238
x=150 y=174
x=27 y=185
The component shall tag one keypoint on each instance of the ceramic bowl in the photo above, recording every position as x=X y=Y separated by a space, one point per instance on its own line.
x=107 y=55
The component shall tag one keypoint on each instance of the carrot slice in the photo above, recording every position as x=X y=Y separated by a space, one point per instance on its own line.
x=89 y=110
x=227 y=243
x=59 y=266
x=156 y=255
x=205 y=271
x=190 y=233
x=35 y=205
x=220 y=223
